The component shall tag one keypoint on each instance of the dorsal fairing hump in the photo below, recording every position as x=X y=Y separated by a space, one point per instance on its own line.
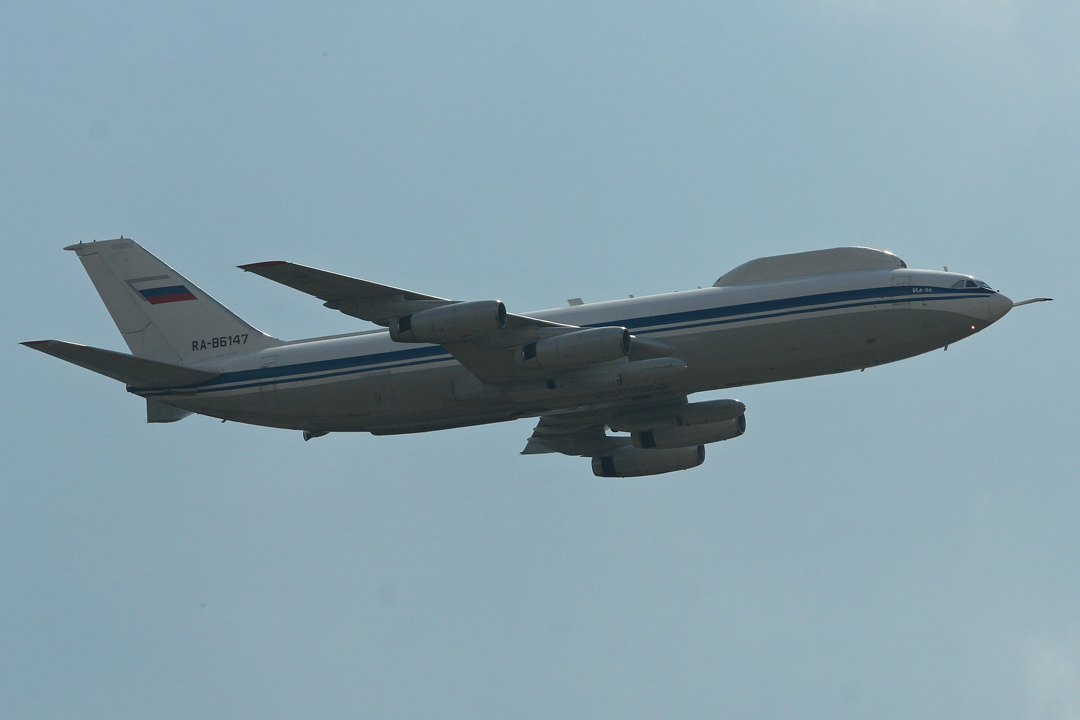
x=814 y=262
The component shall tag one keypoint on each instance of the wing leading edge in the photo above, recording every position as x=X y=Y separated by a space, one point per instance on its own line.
x=370 y=301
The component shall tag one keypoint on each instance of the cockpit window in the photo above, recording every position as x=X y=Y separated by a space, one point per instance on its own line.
x=971 y=283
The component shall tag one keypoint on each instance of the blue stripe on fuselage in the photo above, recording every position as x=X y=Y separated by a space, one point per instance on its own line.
x=668 y=322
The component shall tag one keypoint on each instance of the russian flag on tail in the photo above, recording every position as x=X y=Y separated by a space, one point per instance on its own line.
x=173 y=293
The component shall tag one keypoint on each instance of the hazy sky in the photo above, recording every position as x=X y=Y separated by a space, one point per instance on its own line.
x=897 y=543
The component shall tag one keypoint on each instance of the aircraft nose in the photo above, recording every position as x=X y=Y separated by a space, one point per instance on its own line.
x=997 y=306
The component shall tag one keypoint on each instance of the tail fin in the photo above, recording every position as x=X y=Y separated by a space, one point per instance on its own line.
x=162 y=315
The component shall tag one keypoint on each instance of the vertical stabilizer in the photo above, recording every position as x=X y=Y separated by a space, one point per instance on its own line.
x=161 y=314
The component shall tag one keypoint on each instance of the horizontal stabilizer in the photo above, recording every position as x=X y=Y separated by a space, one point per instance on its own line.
x=128 y=369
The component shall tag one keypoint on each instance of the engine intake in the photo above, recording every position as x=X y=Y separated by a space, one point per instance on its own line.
x=577 y=349
x=633 y=462
x=450 y=323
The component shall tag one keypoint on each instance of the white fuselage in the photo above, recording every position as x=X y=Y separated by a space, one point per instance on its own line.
x=727 y=336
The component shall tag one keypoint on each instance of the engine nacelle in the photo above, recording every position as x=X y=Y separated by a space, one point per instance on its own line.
x=632 y=462
x=699 y=413
x=689 y=435
x=450 y=323
x=576 y=349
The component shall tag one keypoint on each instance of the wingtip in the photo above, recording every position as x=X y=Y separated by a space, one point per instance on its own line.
x=32 y=343
x=534 y=448
x=268 y=263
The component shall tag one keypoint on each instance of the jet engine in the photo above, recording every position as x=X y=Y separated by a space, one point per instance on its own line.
x=699 y=413
x=633 y=462
x=450 y=323
x=689 y=435
x=577 y=349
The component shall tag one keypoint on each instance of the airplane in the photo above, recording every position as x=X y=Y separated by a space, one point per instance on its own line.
x=628 y=366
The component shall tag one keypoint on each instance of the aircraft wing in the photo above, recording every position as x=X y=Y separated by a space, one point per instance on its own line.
x=553 y=434
x=366 y=300
x=490 y=357
x=584 y=431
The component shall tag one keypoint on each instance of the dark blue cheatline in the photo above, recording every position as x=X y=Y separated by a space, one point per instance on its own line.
x=669 y=322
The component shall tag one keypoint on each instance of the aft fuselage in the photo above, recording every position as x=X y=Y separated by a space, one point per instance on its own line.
x=727 y=336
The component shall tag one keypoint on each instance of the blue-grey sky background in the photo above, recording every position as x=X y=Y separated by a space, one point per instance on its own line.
x=896 y=543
